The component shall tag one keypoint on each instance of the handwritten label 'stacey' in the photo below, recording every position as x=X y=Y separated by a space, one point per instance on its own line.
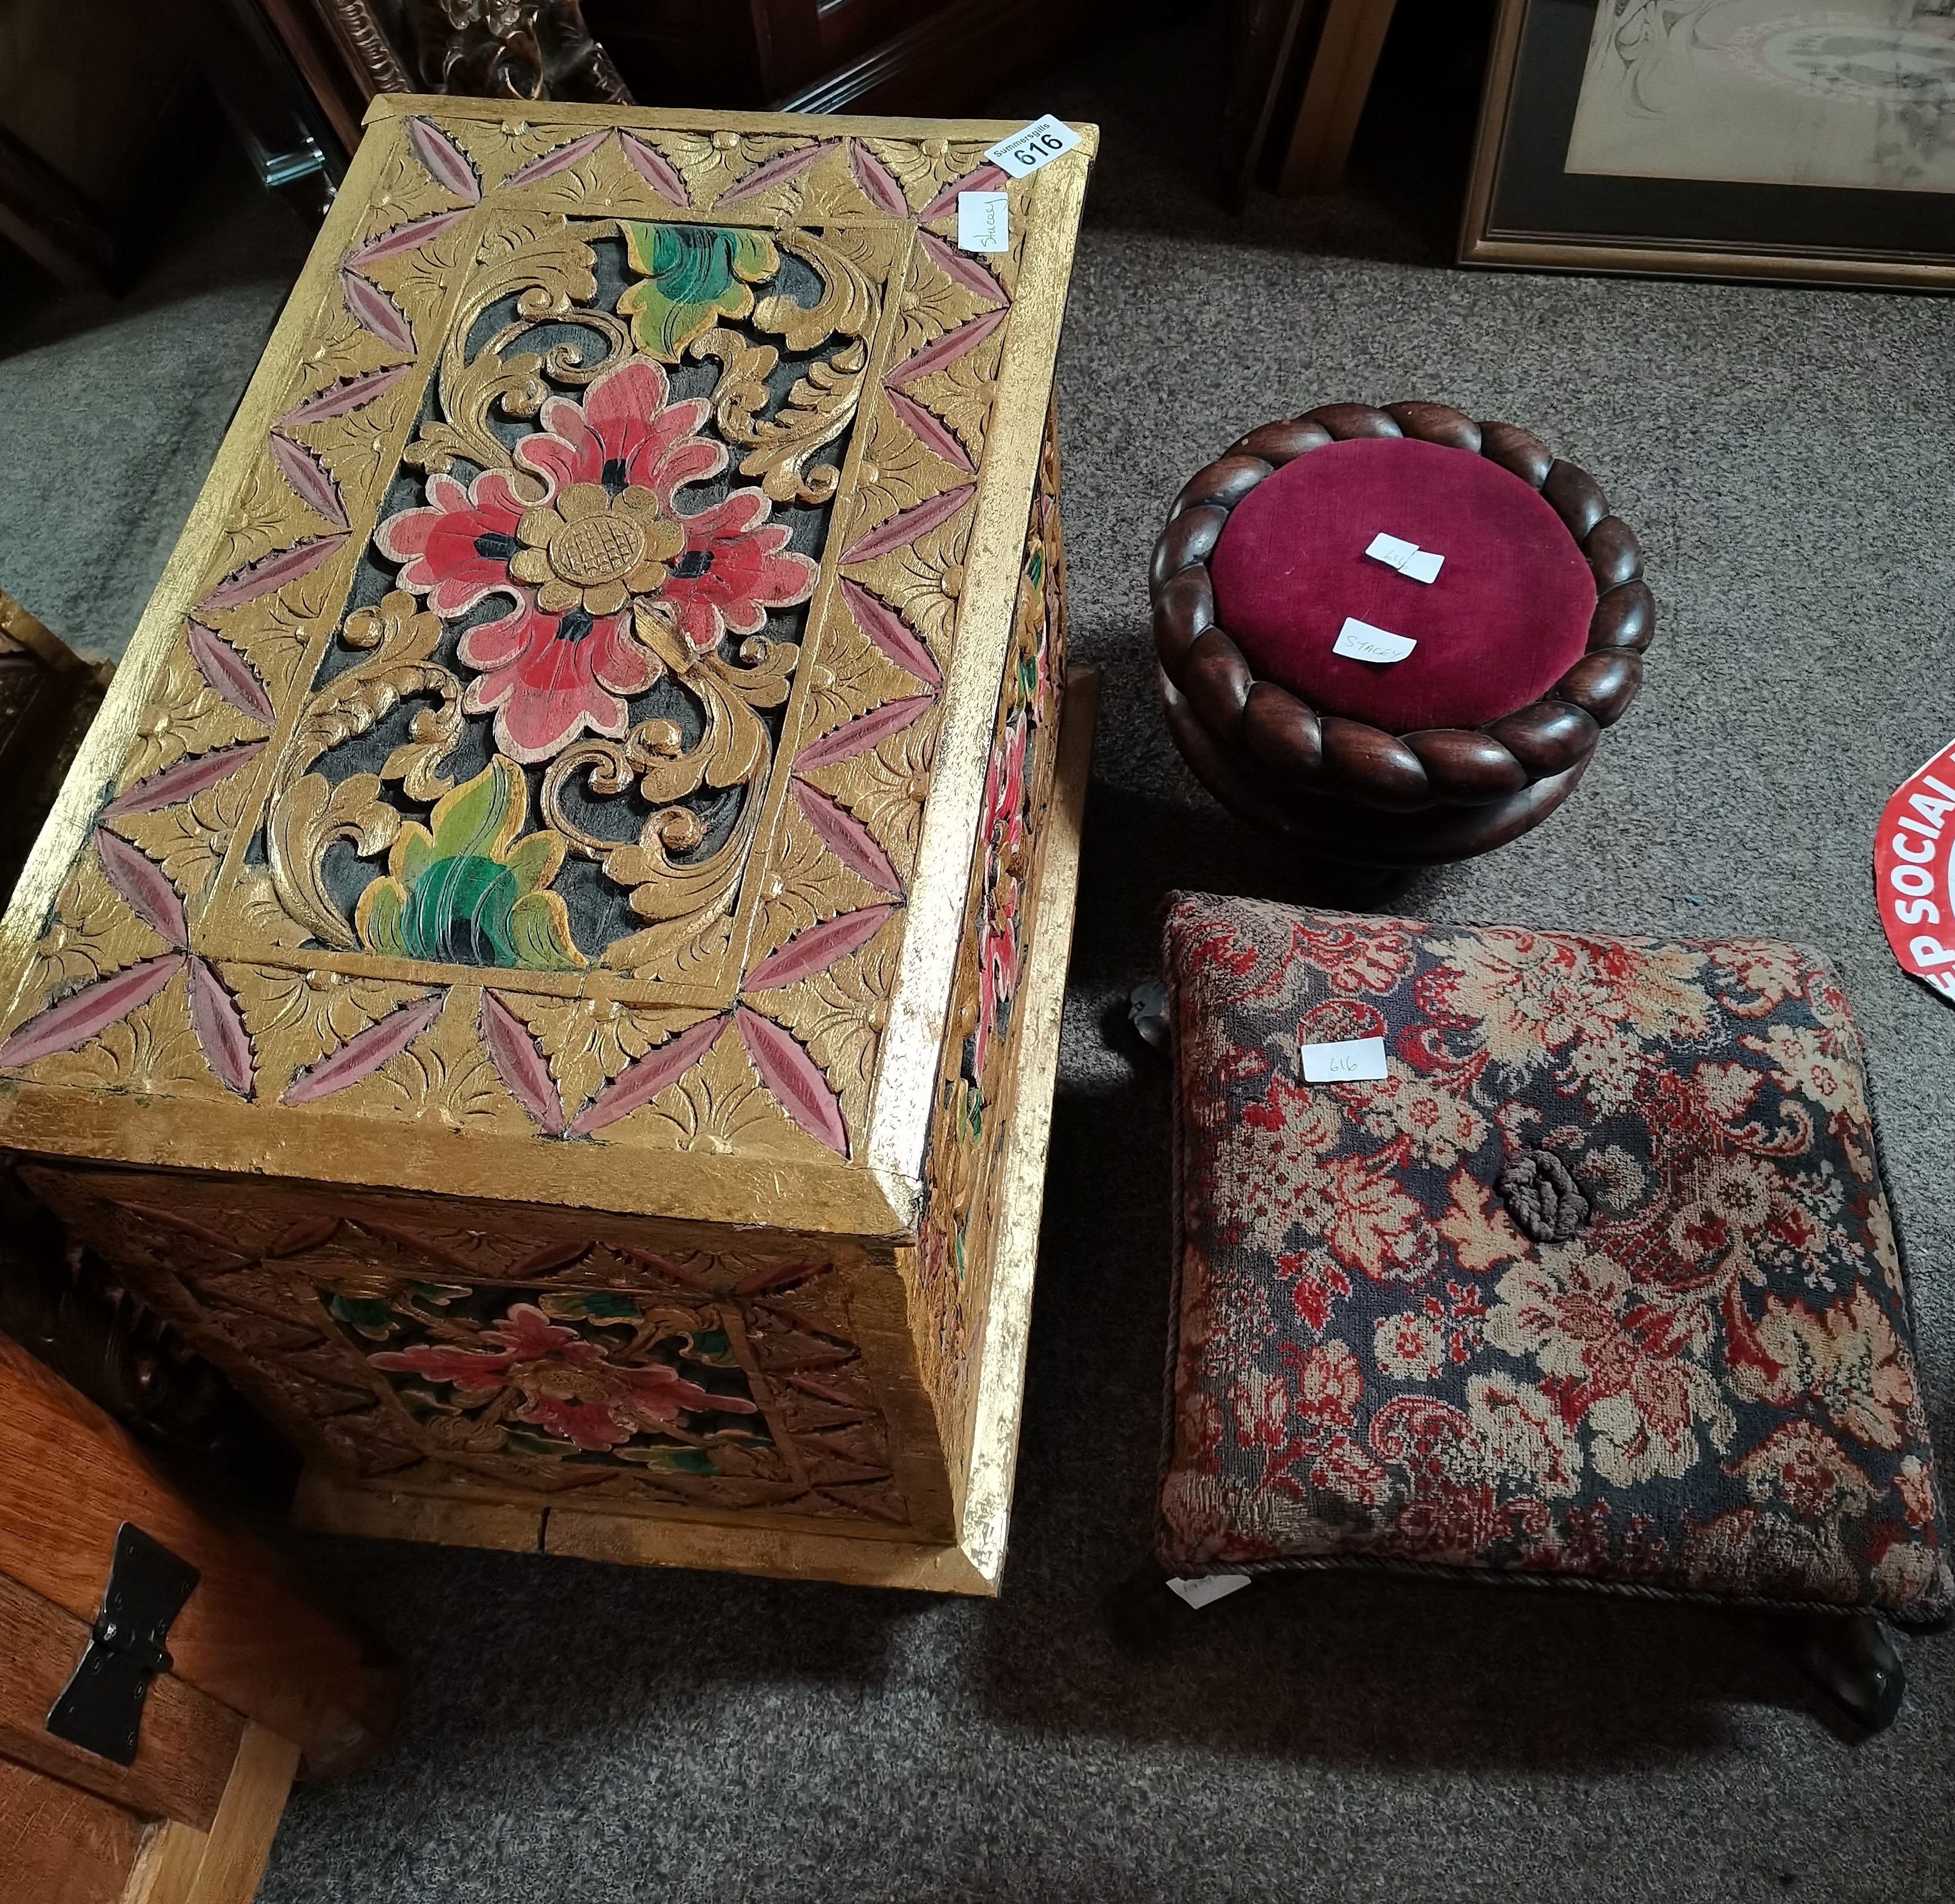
x=983 y=222
x=1360 y=641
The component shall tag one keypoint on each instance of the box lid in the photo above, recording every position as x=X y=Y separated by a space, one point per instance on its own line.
x=550 y=765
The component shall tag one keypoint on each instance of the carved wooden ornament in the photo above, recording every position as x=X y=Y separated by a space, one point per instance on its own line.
x=556 y=768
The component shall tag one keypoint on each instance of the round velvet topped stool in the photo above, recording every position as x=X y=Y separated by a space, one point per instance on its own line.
x=1527 y=643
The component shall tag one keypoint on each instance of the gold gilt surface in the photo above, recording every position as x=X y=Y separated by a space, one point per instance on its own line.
x=984 y=1060
x=516 y=1352
x=761 y=1001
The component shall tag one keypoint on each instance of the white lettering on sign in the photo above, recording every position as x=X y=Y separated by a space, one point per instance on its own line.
x=1038 y=144
x=1344 y=1061
x=1205 y=1589
x=1361 y=642
x=1914 y=872
x=983 y=222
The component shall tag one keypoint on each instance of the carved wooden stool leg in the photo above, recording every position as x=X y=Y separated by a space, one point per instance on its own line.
x=1855 y=1670
x=1146 y=1011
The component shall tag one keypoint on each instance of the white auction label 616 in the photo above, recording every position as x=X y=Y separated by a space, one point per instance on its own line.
x=1914 y=873
x=1035 y=145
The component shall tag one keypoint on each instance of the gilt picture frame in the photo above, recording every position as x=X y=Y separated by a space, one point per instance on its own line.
x=1807 y=141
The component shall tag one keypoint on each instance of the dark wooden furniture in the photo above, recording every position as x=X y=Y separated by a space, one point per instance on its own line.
x=258 y=1684
x=1360 y=800
x=1303 y=71
x=48 y=695
x=832 y=55
x=346 y=51
x=80 y=112
x=904 y=56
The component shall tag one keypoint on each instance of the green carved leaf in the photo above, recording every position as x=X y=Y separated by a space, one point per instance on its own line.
x=415 y=853
x=459 y=914
x=684 y=1461
x=532 y=862
x=469 y=892
x=468 y=821
x=694 y=275
x=372 y=1320
x=378 y=918
x=599 y=1305
x=539 y=935
x=521 y=1441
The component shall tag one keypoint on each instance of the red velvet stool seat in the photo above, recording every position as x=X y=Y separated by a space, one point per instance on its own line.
x=1529 y=642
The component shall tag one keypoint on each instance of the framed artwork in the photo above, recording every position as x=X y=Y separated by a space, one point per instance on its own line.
x=1801 y=140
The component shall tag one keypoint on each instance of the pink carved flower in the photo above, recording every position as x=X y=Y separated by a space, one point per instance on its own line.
x=601 y=556
x=548 y=678
x=736 y=566
x=560 y=1382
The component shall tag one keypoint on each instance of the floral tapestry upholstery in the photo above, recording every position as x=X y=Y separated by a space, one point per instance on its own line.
x=1600 y=1281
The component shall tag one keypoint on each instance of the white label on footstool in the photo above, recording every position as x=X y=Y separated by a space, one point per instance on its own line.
x=1393 y=551
x=1348 y=1061
x=1361 y=642
x=1206 y=1589
x=1415 y=564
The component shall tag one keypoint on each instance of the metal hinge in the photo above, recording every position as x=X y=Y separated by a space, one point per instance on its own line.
x=101 y=1708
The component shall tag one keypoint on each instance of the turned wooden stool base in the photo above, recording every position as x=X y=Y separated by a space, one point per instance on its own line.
x=1355 y=846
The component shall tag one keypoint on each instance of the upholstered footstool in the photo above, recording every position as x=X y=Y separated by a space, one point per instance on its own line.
x=1525 y=636
x=1598 y=1281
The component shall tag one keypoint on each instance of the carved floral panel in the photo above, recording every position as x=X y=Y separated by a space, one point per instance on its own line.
x=394 y=1338
x=547 y=746
x=972 y=1108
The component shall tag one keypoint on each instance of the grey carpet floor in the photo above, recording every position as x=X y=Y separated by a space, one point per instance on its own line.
x=113 y=411
x=573 y=1732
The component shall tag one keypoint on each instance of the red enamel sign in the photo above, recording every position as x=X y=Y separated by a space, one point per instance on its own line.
x=1914 y=873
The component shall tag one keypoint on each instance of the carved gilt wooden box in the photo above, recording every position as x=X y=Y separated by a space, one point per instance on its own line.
x=548 y=967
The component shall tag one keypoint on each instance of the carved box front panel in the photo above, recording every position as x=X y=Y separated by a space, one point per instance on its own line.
x=536 y=738
x=453 y=1348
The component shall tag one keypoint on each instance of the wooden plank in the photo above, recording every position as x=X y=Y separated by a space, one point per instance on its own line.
x=246 y=1637
x=1334 y=96
x=60 y=1845
x=986 y=1519
x=224 y=1865
x=167 y=1865
x=637 y=1540
x=183 y=1750
x=247 y=1820
x=377 y=1512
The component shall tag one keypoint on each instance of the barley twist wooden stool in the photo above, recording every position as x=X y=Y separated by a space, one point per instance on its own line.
x=1529 y=642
